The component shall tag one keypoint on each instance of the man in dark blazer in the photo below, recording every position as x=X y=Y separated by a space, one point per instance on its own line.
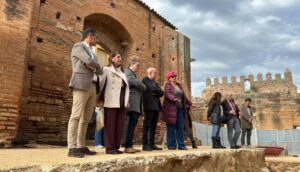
x=152 y=107
x=84 y=81
x=135 y=103
x=232 y=111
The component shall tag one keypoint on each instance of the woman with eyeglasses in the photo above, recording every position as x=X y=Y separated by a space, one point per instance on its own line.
x=173 y=112
x=114 y=93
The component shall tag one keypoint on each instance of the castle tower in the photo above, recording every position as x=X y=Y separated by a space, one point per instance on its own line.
x=216 y=81
x=242 y=79
x=288 y=75
x=259 y=77
x=224 y=80
x=233 y=79
x=208 y=82
x=251 y=79
x=269 y=76
x=277 y=76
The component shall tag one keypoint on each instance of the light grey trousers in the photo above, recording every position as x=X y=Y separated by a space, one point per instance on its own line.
x=233 y=130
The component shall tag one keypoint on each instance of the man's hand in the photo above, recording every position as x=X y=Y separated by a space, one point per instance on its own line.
x=89 y=67
x=232 y=112
x=100 y=104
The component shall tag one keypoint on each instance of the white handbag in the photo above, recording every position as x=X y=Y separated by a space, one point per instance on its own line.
x=99 y=118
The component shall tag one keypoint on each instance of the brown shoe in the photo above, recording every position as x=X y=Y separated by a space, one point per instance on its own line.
x=86 y=151
x=129 y=150
x=137 y=150
x=75 y=153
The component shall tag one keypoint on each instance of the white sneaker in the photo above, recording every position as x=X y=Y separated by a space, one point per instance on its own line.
x=244 y=146
x=99 y=147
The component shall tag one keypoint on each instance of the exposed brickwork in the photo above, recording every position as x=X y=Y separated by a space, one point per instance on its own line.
x=36 y=40
x=275 y=101
x=15 y=19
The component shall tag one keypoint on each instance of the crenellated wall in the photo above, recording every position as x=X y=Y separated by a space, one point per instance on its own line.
x=274 y=99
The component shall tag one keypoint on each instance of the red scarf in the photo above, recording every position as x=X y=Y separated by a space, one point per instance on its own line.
x=232 y=105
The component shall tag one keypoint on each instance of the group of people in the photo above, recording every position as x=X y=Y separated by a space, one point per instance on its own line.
x=122 y=95
x=238 y=121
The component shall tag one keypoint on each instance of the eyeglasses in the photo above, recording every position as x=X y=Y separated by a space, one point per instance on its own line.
x=174 y=76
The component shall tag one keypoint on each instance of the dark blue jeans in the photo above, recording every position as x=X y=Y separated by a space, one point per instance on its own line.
x=99 y=137
x=132 y=121
x=176 y=132
x=216 y=130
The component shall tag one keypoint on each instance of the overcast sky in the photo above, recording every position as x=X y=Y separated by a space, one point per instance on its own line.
x=237 y=37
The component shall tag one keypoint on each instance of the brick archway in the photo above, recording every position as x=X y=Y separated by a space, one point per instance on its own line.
x=112 y=35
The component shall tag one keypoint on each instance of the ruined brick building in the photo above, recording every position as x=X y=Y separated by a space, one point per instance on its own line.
x=35 y=69
x=275 y=101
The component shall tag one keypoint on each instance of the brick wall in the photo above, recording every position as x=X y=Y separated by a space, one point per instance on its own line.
x=39 y=88
x=15 y=19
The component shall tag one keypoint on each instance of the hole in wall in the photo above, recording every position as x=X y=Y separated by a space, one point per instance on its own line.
x=58 y=15
x=42 y=2
x=112 y=4
x=39 y=39
x=153 y=55
x=78 y=18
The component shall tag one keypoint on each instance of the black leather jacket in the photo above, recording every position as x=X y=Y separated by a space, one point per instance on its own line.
x=214 y=113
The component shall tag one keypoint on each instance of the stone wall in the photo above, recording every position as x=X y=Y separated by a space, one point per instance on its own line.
x=275 y=101
x=37 y=37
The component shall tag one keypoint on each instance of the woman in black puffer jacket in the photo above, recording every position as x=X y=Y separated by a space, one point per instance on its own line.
x=214 y=115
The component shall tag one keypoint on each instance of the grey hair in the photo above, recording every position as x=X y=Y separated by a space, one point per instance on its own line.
x=133 y=61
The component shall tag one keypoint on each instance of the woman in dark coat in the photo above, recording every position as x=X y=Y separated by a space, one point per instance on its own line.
x=173 y=112
x=214 y=115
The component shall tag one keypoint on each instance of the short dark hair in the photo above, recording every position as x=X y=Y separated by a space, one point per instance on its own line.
x=87 y=32
x=248 y=100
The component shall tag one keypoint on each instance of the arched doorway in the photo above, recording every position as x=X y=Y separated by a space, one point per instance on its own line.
x=112 y=36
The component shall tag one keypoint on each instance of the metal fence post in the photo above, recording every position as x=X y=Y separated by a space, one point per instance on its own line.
x=206 y=135
x=277 y=140
x=292 y=142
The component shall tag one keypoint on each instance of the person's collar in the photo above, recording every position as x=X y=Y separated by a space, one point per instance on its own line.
x=86 y=44
x=150 y=78
x=131 y=70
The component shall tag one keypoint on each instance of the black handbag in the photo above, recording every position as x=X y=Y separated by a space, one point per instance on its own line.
x=224 y=119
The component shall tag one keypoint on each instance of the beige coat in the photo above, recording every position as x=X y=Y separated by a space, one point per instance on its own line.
x=246 y=118
x=111 y=80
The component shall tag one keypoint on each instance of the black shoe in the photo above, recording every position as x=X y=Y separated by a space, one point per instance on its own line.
x=171 y=148
x=75 y=153
x=235 y=147
x=184 y=148
x=218 y=140
x=154 y=147
x=119 y=152
x=194 y=146
x=86 y=151
x=215 y=145
x=147 y=148
x=112 y=152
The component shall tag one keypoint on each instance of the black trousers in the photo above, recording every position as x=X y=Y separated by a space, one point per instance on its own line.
x=149 y=127
x=133 y=118
x=244 y=133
